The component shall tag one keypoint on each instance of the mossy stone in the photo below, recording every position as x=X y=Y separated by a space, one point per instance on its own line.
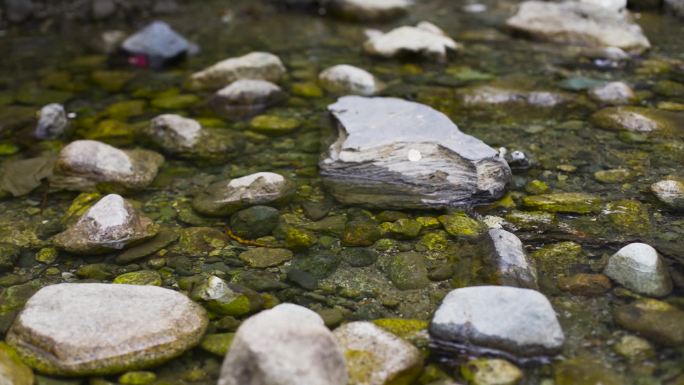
x=47 y=255
x=491 y=371
x=656 y=320
x=8 y=256
x=137 y=378
x=460 y=225
x=142 y=277
x=165 y=237
x=254 y=222
x=175 y=102
x=536 y=187
x=361 y=233
x=217 y=343
x=319 y=265
x=79 y=206
x=296 y=238
x=111 y=81
x=618 y=175
x=585 y=371
x=408 y=271
x=126 y=109
x=359 y=256
x=557 y=258
x=638 y=120
x=226 y=299
x=572 y=203
x=531 y=220
x=629 y=216
x=405 y=228
x=306 y=90
x=404 y=328
x=263 y=257
x=274 y=124
x=12 y=370
x=435 y=241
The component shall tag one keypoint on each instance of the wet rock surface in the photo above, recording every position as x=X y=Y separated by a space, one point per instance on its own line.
x=245 y=97
x=255 y=65
x=511 y=321
x=346 y=79
x=226 y=197
x=420 y=168
x=83 y=164
x=111 y=224
x=286 y=345
x=638 y=267
x=424 y=40
x=59 y=330
x=578 y=23
x=512 y=266
x=377 y=357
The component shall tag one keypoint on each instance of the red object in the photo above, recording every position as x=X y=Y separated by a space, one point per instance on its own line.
x=140 y=61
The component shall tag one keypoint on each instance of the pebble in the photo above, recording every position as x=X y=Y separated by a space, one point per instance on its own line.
x=639 y=268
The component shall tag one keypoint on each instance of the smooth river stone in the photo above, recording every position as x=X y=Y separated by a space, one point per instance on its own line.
x=392 y=153
x=100 y=329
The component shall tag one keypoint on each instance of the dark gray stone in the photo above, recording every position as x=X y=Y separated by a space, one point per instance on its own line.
x=391 y=153
x=512 y=266
x=18 y=10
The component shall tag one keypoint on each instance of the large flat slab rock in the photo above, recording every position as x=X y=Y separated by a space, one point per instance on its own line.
x=392 y=153
x=100 y=329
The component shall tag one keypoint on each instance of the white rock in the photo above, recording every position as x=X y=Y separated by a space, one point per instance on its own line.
x=102 y=329
x=52 y=122
x=613 y=93
x=346 y=79
x=670 y=192
x=639 y=268
x=183 y=132
x=425 y=39
x=579 y=24
x=84 y=163
x=510 y=321
x=286 y=345
x=111 y=224
x=391 y=357
x=612 y=5
x=255 y=65
x=370 y=9
x=245 y=97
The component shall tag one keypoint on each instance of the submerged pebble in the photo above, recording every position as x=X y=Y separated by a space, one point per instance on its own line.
x=638 y=267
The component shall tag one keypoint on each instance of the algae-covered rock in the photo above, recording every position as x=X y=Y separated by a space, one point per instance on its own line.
x=12 y=370
x=377 y=357
x=254 y=222
x=404 y=228
x=638 y=119
x=8 y=256
x=514 y=321
x=617 y=175
x=286 y=345
x=425 y=40
x=578 y=23
x=361 y=233
x=274 y=124
x=491 y=371
x=142 y=277
x=584 y=370
x=109 y=225
x=187 y=138
x=218 y=343
x=573 y=203
x=588 y=285
x=226 y=299
x=59 y=332
x=226 y=197
x=137 y=378
x=653 y=319
x=638 y=267
x=629 y=217
x=83 y=164
x=262 y=257
x=165 y=237
x=255 y=65
x=459 y=224
x=408 y=271
x=359 y=256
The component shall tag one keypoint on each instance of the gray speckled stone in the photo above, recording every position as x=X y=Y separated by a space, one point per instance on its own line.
x=227 y=197
x=393 y=360
x=638 y=267
x=579 y=23
x=286 y=345
x=670 y=192
x=510 y=321
x=512 y=265
x=52 y=122
x=100 y=329
x=83 y=164
x=109 y=225
x=392 y=153
x=350 y=80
